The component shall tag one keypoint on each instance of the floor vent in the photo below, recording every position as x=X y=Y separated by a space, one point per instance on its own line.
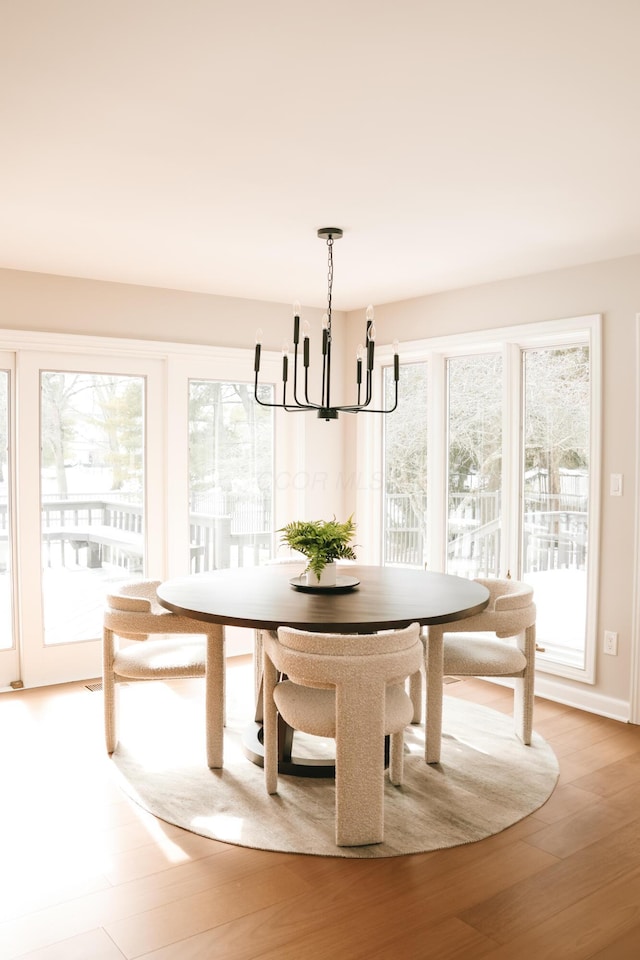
x=93 y=687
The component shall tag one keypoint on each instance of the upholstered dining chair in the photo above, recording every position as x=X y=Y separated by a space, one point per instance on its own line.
x=186 y=648
x=498 y=642
x=349 y=687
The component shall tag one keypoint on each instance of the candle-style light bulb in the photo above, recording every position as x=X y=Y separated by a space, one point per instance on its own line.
x=325 y=334
x=256 y=359
x=306 y=330
x=360 y=352
x=369 y=313
x=296 y=308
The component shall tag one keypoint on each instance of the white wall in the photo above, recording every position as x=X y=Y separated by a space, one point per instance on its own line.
x=613 y=289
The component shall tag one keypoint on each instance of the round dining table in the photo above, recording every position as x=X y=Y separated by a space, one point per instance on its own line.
x=367 y=599
x=383 y=598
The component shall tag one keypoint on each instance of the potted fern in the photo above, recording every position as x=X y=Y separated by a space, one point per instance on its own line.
x=322 y=542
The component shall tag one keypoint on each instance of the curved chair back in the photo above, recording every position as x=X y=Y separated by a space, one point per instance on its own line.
x=462 y=648
x=510 y=610
x=134 y=613
x=363 y=676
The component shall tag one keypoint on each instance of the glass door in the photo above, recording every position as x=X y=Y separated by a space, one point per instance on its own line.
x=85 y=502
x=555 y=496
x=511 y=463
x=9 y=667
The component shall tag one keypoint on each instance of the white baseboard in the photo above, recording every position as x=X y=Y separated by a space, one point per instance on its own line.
x=582 y=699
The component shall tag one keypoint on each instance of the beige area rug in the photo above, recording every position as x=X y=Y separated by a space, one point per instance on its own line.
x=486 y=781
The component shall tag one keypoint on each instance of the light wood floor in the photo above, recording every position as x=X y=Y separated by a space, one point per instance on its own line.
x=87 y=875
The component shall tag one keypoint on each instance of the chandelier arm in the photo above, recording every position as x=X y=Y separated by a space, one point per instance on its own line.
x=369 y=394
x=310 y=404
x=286 y=406
x=364 y=408
x=283 y=405
x=295 y=374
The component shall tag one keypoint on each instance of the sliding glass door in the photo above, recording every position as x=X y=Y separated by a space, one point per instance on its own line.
x=508 y=449
x=86 y=504
x=9 y=666
x=555 y=494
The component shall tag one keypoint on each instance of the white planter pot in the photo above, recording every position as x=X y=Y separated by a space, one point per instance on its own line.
x=327 y=577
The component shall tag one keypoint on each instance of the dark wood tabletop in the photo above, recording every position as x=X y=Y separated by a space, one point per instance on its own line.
x=385 y=598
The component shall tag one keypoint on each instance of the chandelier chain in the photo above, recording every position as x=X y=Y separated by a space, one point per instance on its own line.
x=329 y=283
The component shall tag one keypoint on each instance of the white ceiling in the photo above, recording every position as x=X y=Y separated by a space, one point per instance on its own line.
x=199 y=144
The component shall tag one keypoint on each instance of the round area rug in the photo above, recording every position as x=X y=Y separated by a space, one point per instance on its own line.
x=486 y=780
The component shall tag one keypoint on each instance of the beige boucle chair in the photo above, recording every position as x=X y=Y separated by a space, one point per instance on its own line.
x=498 y=642
x=133 y=614
x=349 y=687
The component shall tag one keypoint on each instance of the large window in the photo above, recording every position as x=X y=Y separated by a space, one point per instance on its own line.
x=508 y=448
x=555 y=494
x=230 y=475
x=405 y=468
x=474 y=488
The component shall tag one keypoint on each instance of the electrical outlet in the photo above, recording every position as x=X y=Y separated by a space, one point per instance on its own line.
x=611 y=643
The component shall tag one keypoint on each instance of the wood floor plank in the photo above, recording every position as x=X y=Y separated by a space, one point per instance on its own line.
x=581 y=930
x=532 y=901
x=185 y=916
x=151 y=892
x=565 y=801
x=618 y=746
x=610 y=780
x=626 y=947
x=94 y=945
x=578 y=830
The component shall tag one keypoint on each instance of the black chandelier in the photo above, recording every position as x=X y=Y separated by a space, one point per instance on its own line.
x=300 y=401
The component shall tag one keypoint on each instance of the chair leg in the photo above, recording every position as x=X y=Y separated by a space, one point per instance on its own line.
x=215 y=695
x=359 y=768
x=257 y=663
x=434 y=658
x=109 y=692
x=523 y=694
x=415 y=692
x=396 y=760
x=269 y=725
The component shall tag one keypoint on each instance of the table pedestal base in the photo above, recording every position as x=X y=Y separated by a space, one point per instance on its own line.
x=253 y=746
